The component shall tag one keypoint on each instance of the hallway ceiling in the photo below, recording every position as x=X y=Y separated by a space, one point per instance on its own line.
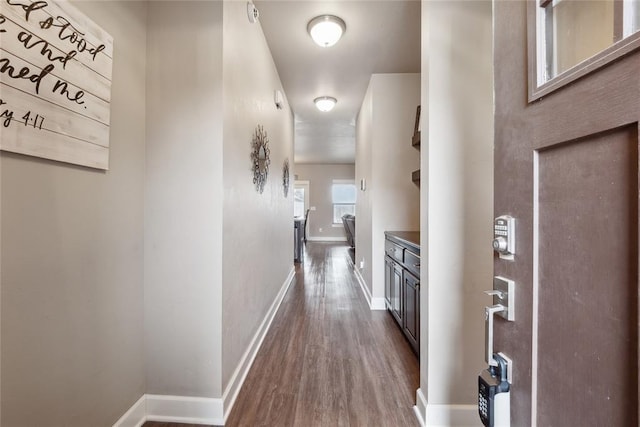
x=381 y=37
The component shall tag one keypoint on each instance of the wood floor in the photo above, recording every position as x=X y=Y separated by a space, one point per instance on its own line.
x=328 y=360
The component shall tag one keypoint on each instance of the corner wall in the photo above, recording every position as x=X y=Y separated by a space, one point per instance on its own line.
x=457 y=196
x=385 y=158
x=183 y=200
x=364 y=171
x=72 y=261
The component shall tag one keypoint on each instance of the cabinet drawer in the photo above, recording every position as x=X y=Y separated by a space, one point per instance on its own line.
x=394 y=251
x=412 y=262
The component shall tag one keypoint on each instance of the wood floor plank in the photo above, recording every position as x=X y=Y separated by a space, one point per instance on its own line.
x=334 y=362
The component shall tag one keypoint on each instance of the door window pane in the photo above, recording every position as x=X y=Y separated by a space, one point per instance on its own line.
x=572 y=31
x=631 y=15
x=577 y=30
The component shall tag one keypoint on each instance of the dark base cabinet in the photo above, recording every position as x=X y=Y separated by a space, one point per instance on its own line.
x=412 y=310
x=402 y=282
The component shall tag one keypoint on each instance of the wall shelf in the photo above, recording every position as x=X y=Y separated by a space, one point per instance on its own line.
x=415 y=141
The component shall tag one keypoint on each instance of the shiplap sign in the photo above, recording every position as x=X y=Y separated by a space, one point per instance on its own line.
x=55 y=83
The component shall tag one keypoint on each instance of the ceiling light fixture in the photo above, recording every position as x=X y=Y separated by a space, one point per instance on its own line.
x=325 y=103
x=326 y=30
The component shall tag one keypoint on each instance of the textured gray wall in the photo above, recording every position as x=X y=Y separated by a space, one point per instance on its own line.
x=72 y=261
x=183 y=206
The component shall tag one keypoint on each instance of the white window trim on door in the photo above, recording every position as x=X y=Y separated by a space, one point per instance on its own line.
x=304 y=184
x=539 y=85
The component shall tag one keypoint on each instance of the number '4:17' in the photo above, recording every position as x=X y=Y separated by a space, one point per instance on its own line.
x=36 y=121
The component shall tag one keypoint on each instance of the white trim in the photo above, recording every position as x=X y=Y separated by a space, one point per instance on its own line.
x=327 y=239
x=237 y=379
x=176 y=409
x=536 y=288
x=204 y=410
x=420 y=408
x=374 y=303
x=343 y=181
x=378 y=304
x=135 y=416
x=452 y=415
x=363 y=285
x=184 y=409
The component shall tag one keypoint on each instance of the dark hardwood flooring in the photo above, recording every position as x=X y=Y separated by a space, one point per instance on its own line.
x=328 y=360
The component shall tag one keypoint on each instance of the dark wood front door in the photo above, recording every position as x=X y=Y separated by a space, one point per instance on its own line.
x=566 y=167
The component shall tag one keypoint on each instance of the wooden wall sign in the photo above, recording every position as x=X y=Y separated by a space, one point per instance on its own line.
x=55 y=83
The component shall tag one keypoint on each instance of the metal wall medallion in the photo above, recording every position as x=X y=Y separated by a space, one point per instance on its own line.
x=260 y=158
x=285 y=177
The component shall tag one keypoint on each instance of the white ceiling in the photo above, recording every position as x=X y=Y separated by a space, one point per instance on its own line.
x=381 y=37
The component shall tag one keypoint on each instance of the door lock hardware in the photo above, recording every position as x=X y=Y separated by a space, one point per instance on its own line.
x=503 y=305
x=494 y=403
x=503 y=294
x=499 y=294
x=488 y=332
x=509 y=364
x=504 y=239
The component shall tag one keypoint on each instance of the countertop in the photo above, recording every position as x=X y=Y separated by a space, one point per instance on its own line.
x=411 y=238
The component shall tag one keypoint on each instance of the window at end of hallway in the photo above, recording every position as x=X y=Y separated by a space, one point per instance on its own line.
x=343 y=196
x=298 y=202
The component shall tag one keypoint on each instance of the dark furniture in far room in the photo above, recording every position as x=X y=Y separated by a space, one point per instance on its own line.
x=298 y=237
x=349 y=222
x=402 y=282
x=304 y=228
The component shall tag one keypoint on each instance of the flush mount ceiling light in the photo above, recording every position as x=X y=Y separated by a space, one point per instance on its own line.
x=326 y=30
x=325 y=103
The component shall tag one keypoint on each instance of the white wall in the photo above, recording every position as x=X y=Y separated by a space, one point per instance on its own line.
x=258 y=228
x=72 y=261
x=183 y=203
x=457 y=191
x=386 y=158
x=320 y=177
x=364 y=171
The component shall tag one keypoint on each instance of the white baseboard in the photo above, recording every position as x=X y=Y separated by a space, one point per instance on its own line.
x=327 y=239
x=184 y=409
x=203 y=410
x=135 y=416
x=374 y=303
x=452 y=415
x=445 y=415
x=173 y=409
x=239 y=375
x=421 y=407
x=378 y=304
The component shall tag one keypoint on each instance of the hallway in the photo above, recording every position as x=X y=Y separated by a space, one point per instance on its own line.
x=328 y=360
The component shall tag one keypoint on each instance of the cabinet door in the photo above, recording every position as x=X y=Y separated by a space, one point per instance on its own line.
x=411 y=327
x=388 y=278
x=396 y=292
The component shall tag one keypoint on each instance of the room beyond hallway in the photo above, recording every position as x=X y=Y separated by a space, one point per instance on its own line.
x=329 y=360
